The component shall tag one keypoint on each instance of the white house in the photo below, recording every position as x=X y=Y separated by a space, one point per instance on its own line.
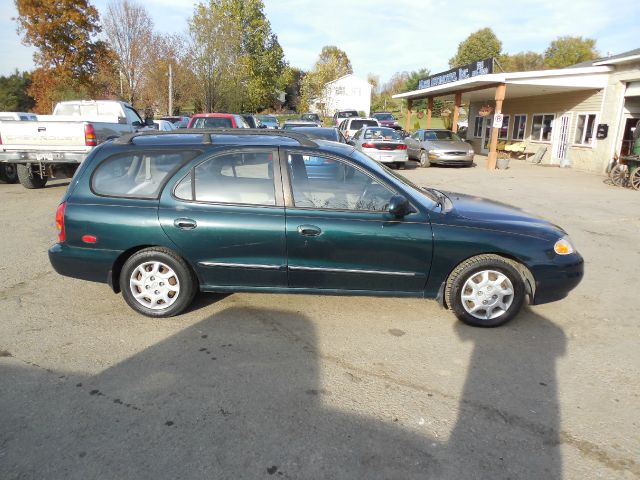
x=345 y=93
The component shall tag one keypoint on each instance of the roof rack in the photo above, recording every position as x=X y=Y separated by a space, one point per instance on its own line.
x=208 y=133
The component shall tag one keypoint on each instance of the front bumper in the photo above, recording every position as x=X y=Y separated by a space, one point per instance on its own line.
x=555 y=281
x=451 y=159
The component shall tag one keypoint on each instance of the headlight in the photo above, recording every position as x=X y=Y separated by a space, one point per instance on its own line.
x=563 y=246
x=433 y=154
x=470 y=152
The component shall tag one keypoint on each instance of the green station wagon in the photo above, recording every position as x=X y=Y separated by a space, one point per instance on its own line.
x=159 y=216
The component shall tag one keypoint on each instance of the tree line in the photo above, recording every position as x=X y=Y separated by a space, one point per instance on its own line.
x=227 y=60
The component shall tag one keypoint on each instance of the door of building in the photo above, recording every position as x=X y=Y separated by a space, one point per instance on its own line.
x=487 y=124
x=561 y=139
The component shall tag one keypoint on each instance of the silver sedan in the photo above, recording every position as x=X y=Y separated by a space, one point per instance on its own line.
x=383 y=144
x=439 y=147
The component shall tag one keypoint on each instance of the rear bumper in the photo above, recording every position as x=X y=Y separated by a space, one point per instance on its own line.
x=554 y=282
x=387 y=156
x=84 y=263
x=34 y=156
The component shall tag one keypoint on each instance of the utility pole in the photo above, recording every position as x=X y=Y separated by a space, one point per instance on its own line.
x=170 y=90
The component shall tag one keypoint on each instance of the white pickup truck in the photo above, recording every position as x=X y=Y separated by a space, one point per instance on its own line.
x=58 y=143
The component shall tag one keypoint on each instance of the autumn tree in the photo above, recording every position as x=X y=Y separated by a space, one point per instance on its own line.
x=68 y=53
x=129 y=28
x=521 y=62
x=332 y=63
x=567 y=51
x=477 y=46
x=13 y=92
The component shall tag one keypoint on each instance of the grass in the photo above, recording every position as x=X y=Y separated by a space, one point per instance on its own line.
x=418 y=123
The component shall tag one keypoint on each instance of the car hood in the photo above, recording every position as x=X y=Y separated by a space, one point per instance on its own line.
x=446 y=145
x=502 y=217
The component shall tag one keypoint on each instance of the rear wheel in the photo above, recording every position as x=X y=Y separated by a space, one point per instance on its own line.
x=634 y=181
x=619 y=175
x=157 y=283
x=8 y=173
x=485 y=291
x=29 y=179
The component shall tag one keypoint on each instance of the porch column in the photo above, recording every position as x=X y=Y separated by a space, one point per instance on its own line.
x=493 y=153
x=407 y=122
x=456 y=112
x=429 y=111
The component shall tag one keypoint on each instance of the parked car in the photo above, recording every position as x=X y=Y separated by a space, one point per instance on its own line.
x=351 y=125
x=164 y=125
x=160 y=216
x=386 y=119
x=288 y=124
x=9 y=171
x=439 y=147
x=311 y=117
x=269 y=121
x=321 y=133
x=383 y=144
x=341 y=115
x=217 y=120
x=180 y=121
x=252 y=121
x=56 y=144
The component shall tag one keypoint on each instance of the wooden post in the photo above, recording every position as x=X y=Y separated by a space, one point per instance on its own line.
x=456 y=113
x=429 y=111
x=407 y=123
x=493 y=153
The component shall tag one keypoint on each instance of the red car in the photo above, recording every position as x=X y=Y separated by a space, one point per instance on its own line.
x=217 y=120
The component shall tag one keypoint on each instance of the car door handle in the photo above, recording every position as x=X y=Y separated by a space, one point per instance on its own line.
x=309 y=230
x=185 y=223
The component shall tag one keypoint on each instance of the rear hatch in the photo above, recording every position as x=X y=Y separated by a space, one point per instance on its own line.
x=60 y=135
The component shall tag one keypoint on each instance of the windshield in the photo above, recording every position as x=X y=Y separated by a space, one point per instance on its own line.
x=384 y=116
x=442 y=135
x=267 y=119
x=311 y=117
x=358 y=124
x=386 y=171
x=212 y=122
x=347 y=114
x=381 y=133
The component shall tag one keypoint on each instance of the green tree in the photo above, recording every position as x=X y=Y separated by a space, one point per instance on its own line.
x=477 y=46
x=521 y=62
x=567 y=51
x=68 y=53
x=13 y=92
x=332 y=63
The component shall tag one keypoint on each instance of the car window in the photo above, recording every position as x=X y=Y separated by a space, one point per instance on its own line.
x=212 y=122
x=381 y=133
x=357 y=134
x=132 y=116
x=328 y=183
x=442 y=135
x=240 y=177
x=137 y=174
x=358 y=124
x=416 y=136
x=241 y=122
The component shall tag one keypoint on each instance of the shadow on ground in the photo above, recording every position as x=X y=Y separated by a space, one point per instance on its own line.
x=239 y=396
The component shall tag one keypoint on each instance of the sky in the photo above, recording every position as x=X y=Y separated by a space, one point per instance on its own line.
x=383 y=37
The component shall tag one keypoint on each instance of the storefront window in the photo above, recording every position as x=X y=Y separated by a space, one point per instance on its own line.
x=541 y=127
x=584 y=129
x=477 y=127
x=519 y=122
x=503 y=134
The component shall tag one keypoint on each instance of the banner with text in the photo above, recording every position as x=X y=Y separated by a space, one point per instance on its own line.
x=482 y=67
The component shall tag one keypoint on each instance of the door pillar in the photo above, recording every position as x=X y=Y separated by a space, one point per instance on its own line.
x=429 y=111
x=407 y=122
x=456 y=112
x=493 y=153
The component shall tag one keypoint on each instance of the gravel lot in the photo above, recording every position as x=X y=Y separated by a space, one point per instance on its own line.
x=309 y=387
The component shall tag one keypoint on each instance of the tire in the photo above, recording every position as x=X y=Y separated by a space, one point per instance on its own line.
x=469 y=280
x=634 y=181
x=28 y=179
x=619 y=175
x=424 y=159
x=9 y=173
x=179 y=280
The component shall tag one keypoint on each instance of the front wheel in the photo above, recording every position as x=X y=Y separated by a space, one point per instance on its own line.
x=157 y=283
x=424 y=159
x=485 y=291
x=634 y=181
x=619 y=175
x=29 y=179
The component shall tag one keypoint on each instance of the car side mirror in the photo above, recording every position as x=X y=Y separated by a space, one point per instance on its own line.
x=399 y=206
x=148 y=122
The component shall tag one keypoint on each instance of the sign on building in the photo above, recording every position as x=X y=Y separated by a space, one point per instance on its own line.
x=482 y=67
x=497 y=120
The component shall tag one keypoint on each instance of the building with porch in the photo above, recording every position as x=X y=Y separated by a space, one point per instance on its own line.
x=579 y=116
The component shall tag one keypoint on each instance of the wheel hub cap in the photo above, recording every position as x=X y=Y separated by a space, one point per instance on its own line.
x=154 y=285
x=487 y=294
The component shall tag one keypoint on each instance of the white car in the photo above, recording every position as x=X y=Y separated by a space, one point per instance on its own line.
x=164 y=125
x=18 y=116
x=383 y=144
x=349 y=126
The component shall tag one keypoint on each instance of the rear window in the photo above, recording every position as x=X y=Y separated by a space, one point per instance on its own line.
x=212 y=122
x=381 y=134
x=347 y=114
x=358 y=124
x=137 y=174
x=384 y=116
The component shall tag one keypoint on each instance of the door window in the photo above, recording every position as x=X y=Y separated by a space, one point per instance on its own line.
x=326 y=183
x=239 y=177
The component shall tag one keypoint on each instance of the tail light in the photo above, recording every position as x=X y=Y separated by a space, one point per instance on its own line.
x=368 y=145
x=90 y=139
x=0 y=139
x=62 y=236
x=401 y=147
